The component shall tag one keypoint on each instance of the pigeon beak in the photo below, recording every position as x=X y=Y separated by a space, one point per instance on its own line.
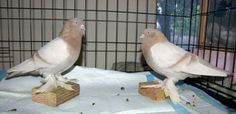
x=142 y=36
x=82 y=27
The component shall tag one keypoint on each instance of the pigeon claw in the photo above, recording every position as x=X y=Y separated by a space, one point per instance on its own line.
x=64 y=79
x=45 y=88
x=51 y=82
x=65 y=85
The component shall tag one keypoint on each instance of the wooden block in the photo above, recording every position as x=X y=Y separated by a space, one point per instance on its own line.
x=151 y=92
x=57 y=96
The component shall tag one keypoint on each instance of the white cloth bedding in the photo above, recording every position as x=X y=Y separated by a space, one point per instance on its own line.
x=99 y=87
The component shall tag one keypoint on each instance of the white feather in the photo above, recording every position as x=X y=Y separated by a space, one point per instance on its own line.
x=56 y=59
x=26 y=66
x=55 y=51
x=202 y=68
x=165 y=54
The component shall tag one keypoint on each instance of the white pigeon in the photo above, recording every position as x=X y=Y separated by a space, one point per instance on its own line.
x=173 y=62
x=55 y=57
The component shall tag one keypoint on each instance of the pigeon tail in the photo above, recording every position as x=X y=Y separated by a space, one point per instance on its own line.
x=23 y=68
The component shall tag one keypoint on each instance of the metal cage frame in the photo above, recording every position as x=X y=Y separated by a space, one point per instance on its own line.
x=127 y=19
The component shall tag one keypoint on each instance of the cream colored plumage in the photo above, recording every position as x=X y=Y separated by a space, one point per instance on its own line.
x=173 y=62
x=55 y=57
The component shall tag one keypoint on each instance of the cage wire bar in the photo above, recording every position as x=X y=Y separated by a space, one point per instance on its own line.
x=218 y=48
x=113 y=28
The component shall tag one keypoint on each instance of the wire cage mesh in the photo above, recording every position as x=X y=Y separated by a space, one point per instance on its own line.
x=113 y=27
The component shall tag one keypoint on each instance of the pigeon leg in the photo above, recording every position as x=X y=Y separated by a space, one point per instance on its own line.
x=49 y=84
x=64 y=79
x=65 y=85
x=63 y=82
x=52 y=81
x=46 y=78
x=171 y=90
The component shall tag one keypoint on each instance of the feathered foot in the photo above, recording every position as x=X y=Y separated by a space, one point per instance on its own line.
x=168 y=85
x=51 y=82
x=64 y=79
x=171 y=90
x=65 y=85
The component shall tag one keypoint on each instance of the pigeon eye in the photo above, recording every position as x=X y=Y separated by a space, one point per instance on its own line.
x=76 y=22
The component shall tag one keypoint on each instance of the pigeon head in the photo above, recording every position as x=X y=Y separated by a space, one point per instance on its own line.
x=73 y=27
x=153 y=35
x=77 y=24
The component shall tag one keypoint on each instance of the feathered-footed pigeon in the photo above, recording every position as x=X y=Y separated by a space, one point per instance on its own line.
x=55 y=57
x=173 y=62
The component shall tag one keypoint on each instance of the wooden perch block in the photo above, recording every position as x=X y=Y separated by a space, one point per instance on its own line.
x=151 y=92
x=57 y=96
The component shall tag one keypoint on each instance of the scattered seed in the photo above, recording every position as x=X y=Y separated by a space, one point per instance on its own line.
x=127 y=100
x=13 y=109
x=93 y=104
x=122 y=88
x=118 y=94
x=188 y=103
x=81 y=113
x=193 y=95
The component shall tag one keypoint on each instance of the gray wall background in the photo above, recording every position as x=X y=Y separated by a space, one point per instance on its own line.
x=24 y=30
